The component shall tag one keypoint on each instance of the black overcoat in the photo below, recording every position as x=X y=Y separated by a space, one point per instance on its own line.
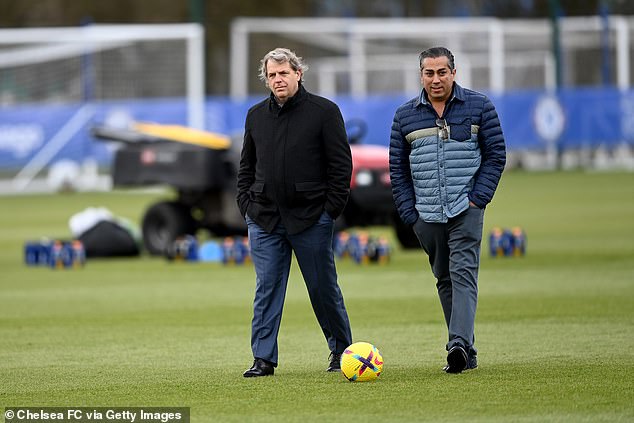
x=295 y=162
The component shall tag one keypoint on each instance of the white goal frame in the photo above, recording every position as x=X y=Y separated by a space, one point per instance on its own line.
x=490 y=44
x=41 y=44
x=26 y=46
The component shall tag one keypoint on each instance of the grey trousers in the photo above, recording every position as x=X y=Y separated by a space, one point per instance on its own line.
x=454 y=254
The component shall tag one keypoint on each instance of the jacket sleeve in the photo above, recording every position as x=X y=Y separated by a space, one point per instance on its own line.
x=246 y=171
x=493 y=150
x=401 y=175
x=338 y=163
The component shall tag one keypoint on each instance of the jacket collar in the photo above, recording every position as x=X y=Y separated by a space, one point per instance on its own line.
x=457 y=92
x=290 y=103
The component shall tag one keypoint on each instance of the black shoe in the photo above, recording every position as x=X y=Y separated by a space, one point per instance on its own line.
x=472 y=363
x=456 y=359
x=260 y=368
x=335 y=362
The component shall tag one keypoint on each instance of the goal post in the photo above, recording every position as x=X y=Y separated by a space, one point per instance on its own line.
x=89 y=68
x=360 y=57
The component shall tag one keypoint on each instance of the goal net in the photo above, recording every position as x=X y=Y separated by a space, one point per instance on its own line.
x=370 y=66
x=57 y=82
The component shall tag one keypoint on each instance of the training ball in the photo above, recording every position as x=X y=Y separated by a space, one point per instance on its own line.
x=361 y=362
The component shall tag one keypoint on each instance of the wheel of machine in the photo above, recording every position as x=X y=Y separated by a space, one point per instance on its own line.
x=163 y=223
x=405 y=234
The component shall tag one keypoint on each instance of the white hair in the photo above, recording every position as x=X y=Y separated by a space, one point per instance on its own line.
x=282 y=55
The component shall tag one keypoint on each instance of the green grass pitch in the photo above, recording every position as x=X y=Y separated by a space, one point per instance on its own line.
x=555 y=329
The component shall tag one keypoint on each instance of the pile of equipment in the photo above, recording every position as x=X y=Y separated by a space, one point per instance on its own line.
x=507 y=243
x=232 y=250
x=56 y=254
x=362 y=248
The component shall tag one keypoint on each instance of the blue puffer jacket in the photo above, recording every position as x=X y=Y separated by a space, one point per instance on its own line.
x=435 y=178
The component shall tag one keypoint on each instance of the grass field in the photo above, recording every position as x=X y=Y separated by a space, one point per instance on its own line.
x=555 y=330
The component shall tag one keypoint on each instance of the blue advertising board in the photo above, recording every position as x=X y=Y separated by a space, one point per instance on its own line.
x=572 y=118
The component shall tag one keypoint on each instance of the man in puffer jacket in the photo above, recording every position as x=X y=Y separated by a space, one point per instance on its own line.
x=447 y=154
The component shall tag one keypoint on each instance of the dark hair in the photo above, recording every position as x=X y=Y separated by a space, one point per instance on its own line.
x=435 y=52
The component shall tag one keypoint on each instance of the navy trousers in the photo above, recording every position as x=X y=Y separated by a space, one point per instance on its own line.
x=454 y=255
x=271 y=253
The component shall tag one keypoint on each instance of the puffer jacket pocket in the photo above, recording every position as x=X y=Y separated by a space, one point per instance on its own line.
x=460 y=128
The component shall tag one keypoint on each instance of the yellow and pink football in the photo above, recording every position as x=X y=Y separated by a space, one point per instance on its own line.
x=361 y=362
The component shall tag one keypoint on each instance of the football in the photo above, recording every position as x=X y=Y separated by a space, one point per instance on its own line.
x=361 y=362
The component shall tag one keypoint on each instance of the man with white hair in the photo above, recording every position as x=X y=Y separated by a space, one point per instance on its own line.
x=293 y=182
